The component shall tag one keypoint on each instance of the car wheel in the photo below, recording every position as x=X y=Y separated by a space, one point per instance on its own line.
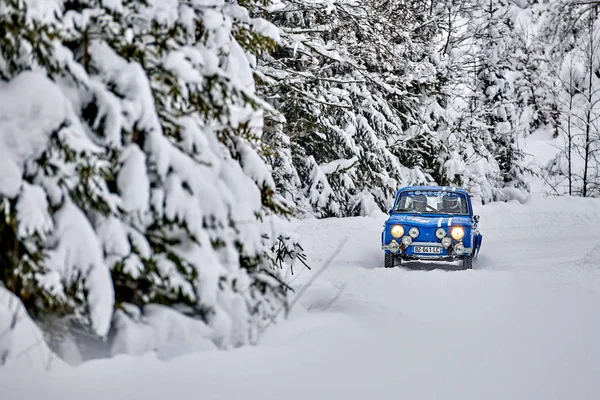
x=468 y=262
x=389 y=260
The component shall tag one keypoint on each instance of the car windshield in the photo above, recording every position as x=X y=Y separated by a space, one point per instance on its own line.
x=432 y=202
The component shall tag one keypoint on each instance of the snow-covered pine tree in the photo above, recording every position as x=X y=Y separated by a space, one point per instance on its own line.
x=151 y=171
x=204 y=183
x=478 y=124
x=450 y=111
x=497 y=88
x=535 y=85
x=52 y=174
x=346 y=82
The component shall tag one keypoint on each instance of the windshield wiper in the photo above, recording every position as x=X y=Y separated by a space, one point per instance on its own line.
x=407 y=210
x=420 y=213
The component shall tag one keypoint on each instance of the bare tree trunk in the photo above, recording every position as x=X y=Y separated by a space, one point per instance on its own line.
x=586 y=154
x=570 y=143
x=588 y=116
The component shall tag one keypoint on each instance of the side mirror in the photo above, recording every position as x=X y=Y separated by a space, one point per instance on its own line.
x=476 y=218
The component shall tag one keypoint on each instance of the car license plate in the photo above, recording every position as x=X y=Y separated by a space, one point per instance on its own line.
x=428 y=249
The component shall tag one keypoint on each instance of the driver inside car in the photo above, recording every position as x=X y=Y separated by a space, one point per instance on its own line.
x=419 y=203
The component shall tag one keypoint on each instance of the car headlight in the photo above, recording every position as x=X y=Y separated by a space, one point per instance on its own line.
x=406 y=241
x=440 y=233
x=397 y=231
x=446 y=242
x=414 y=232
x=459 y=248
x=457 y=233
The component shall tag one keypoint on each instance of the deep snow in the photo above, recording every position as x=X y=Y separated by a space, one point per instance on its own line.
x=525 y=324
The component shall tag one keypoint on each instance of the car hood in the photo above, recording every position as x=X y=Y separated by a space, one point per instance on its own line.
x=430 y=220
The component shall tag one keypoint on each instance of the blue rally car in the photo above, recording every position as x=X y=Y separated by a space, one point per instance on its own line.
x=431 y=223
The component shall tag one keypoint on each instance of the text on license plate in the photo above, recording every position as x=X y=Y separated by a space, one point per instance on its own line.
x=428 y=249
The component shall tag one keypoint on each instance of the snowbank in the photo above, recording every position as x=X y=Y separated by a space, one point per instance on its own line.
x=524 y=324
x=22 y=345
x=159 y=329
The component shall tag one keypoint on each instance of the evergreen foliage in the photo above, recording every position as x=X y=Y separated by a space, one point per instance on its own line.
x=347 y=90
x=147 y=186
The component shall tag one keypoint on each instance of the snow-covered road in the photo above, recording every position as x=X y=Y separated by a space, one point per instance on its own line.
x=525 y=324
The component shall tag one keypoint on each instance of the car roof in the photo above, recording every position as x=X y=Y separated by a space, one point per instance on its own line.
x=440 y=188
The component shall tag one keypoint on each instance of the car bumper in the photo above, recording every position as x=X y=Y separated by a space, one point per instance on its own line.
x=409 y=252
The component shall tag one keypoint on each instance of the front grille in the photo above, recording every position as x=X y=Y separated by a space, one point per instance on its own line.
x=426 y=235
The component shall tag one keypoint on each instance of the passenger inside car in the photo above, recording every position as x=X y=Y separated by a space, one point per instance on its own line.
x=451 y=204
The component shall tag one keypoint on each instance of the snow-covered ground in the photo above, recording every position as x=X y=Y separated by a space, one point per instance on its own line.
x=525 y=324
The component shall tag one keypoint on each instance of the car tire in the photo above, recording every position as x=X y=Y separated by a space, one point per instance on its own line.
x=467 y=262
x=389 y=260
